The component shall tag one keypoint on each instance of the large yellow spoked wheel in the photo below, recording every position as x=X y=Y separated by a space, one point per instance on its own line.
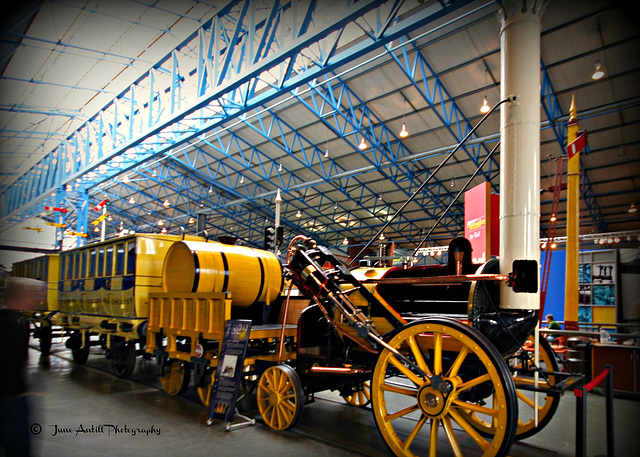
x=424 y=411
x=175 y=376
x=280 y=397
x=361 y=395
x=547 y=402
x=521 y=366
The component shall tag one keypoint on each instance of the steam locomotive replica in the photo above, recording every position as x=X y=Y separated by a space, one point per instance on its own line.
x=427 y=346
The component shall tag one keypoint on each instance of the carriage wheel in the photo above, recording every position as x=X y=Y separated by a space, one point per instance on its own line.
x=44 y=335
x=175 y=377
x=80 y=354
x=280 y=397
x=464 y=368
x=123 y=362
x=205 y=386
x=361 y=396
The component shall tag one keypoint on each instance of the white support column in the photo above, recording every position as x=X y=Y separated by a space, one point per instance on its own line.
x=520 y=142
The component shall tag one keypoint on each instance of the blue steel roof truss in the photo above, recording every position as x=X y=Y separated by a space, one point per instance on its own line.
x=200 y=161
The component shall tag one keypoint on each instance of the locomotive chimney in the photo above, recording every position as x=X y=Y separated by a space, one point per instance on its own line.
x=520 y=142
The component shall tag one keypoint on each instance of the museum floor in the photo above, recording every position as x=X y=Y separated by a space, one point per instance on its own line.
x=67 y=398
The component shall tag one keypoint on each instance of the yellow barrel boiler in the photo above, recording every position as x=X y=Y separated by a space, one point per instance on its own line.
x=251 y=275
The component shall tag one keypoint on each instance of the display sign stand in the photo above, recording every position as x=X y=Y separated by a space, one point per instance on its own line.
x=228 y=376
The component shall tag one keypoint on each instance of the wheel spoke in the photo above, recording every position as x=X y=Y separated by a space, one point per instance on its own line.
x=474 y=382
x=399 y=390
x=453 y=441
x=402 y=412
x=406 y=371
x=476 y=407
x=437 y=353
x=528 y=401
x=433 y=437
x=417 y=354
x=462 y=422
x=455 y=368
x=414 y=433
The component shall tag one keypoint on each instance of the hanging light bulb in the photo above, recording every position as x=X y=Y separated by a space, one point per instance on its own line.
x=553 y=218
x=298 y=214
x=192 y=220
x=166 y=204
x=210 y=189
x=345 y=241
x=125 y=179
x=132 y=200
x=362 y=145
x=279 y=167
x=453 y=182
x=485 y=106
x=599 y=72
x=632 y=209
x=97 y=229
x=164 y=230
x=160 y=222
x=404 y=133
x=242 y=179
x=382 y=236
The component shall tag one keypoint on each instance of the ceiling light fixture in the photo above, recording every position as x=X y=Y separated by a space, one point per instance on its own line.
x=345 y=241
x=242 y=179
x=453 y=182
x=192 y=220
x=632 y=209
x=404 y=132
x=166 y=204
x=298 y=214
x=160 y=222
x=132 y=200
x=164 y=230
x=485 y=108
x=362 y=145
x=599 y=72
x=326 y=150
x=553 y=218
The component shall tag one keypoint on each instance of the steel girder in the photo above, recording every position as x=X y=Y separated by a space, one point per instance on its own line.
x=234 y=77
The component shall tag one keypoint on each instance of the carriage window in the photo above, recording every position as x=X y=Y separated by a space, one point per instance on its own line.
x=67 y=265
x=92 y=264
x=119 y=269
x=101 y=261
x=131 y=257
x=63 y=262
x=45 y=269
x=76 y=264
x=83 y=264
x=109 y=258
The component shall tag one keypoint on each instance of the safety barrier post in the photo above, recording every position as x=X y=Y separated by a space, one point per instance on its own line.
x=581 y=412
x=609 y=405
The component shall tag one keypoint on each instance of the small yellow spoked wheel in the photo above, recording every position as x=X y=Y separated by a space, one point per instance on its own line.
x=361 y=395
x=175 y=376
x=458 y=369
x=280 y=397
